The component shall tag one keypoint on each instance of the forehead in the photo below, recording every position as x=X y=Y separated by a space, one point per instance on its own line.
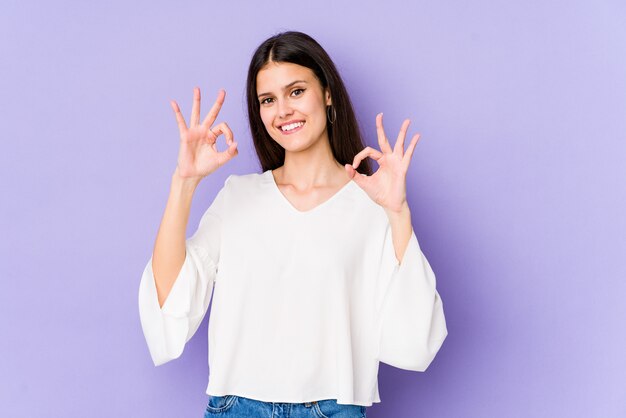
x=275 y=75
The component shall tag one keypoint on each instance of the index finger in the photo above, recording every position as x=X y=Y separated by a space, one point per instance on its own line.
x=210 y=118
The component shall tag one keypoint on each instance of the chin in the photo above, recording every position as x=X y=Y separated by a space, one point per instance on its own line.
x=295 y=145
x=297 y=142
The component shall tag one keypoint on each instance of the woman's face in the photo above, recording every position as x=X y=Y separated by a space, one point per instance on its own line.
x=292 y=105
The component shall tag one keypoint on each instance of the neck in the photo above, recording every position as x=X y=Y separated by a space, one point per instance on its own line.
x=312 y=167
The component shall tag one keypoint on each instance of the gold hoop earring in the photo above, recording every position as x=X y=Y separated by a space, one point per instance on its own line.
x=334 y=118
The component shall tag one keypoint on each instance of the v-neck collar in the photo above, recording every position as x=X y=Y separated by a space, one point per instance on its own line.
x=272 y=180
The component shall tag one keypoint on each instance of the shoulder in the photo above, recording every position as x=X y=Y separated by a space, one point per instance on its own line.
x=365 y=202
x=246 y=185
x=236 y=192
x=238 y=181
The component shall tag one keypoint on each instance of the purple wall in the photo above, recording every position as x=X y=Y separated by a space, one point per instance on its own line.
x=517 y=186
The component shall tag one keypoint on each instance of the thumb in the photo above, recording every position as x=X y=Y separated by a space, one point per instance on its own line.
x=351 y=171
x=232 y=149
x=354 y=175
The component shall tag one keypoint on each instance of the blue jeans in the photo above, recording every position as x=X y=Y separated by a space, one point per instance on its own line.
x=233 y=406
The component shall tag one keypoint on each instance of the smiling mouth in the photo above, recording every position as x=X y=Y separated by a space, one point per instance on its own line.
x=291 y=128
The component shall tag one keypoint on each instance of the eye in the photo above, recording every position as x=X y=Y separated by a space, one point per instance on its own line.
x=264 y=101
x=300 y=90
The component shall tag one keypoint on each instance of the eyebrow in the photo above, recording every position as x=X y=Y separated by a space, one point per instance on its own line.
x=284 y=88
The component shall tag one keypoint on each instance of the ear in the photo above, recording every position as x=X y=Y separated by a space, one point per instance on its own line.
x=328 y=98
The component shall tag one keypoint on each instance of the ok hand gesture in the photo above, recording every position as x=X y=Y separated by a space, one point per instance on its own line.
x=198 y=155
x=387 y=186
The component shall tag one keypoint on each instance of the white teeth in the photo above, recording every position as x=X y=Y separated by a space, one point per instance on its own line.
x=291 y=126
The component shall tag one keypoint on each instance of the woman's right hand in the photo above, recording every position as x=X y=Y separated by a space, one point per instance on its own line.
x=198 y=155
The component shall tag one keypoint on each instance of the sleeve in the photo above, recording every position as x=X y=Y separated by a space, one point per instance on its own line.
x=409 y=311
x=168 y=328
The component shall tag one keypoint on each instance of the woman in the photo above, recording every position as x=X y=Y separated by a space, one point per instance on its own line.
x=314 y=268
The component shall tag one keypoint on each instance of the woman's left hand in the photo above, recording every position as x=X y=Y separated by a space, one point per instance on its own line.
x=387 y=186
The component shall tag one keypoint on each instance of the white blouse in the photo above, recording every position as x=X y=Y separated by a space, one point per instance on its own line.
x=305 y=303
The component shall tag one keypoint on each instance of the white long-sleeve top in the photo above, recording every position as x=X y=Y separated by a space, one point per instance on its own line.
x=305 y=303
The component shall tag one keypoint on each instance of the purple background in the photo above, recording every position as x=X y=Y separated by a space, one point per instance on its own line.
x=517 y=189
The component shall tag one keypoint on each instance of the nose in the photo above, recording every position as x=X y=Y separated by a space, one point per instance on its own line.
x=284 y=109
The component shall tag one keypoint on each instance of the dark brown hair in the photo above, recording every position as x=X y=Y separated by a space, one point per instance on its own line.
x=299 y=48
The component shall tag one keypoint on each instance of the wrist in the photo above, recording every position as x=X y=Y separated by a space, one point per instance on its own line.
x=402 y=211
x=184 y=183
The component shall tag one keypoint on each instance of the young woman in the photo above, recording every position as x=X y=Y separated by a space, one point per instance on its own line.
x=314 y=268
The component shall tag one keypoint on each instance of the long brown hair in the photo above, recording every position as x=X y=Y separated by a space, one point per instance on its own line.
x=299 y=48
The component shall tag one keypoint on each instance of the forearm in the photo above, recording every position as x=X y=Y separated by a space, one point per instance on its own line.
x=401 y=229
x=169 y=247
